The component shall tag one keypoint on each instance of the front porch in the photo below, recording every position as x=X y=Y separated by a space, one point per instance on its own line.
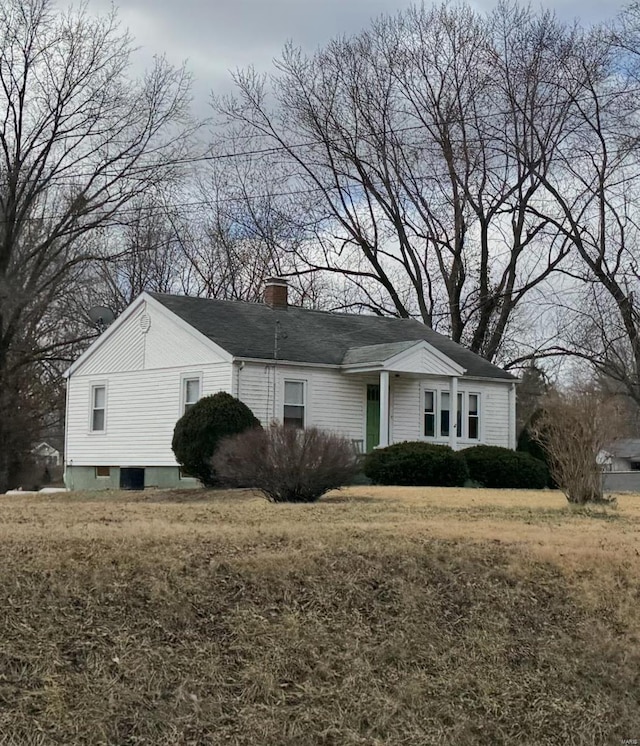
x=415 y=392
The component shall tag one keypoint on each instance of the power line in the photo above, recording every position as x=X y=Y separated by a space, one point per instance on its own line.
x=283 y=149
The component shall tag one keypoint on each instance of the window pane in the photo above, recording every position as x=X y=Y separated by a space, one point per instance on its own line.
x=459 y=417
x=473 y=427
x=99 y=397
x=192 y=390
x=429 y=401
x=430 y=425
x=294 y=392
x=97 y=420
x=444 y=422
x=294 y=415
x=444 y=413
x=473 y=404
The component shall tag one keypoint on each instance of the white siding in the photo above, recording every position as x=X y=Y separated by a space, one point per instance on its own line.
x=123 y=351
x=335 y=401
x=166 y=343
x=406 y=414
x=143 y=372
x=170 y=345
x=142 y=410
x=494 y=412
x=406 y=404
x=422 y=361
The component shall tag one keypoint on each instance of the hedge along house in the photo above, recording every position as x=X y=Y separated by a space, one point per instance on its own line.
x=374 y=380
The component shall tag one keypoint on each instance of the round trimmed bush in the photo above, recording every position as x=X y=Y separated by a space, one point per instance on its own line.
x=495 y=467
x=200 y=429
x=415 y=463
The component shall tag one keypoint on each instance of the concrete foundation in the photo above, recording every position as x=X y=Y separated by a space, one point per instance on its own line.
x=81 y=478
x=621 y=481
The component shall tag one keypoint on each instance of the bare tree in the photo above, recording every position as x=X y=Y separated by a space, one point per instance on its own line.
x=243 y=231
x=416 y=150
x=79 y=140
x=592 y=202
x=573 y=428
x=142 y=254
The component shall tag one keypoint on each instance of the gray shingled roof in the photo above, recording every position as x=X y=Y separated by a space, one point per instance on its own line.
x=376 y=353
x=306 y=336
x=625 y=448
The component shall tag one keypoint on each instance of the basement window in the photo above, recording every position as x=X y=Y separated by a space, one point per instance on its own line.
x=103 y=472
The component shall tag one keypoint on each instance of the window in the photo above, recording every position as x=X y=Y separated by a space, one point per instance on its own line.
x=98 y=408
x=430 y=414
x=103 y=471
x=190 y=392
x=473 y=417
x=437 y=415
x=444 y=414
x=294 y=403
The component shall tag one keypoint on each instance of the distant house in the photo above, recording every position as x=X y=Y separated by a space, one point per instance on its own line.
x=374 y=380
x=47 y=455
x=623 y=455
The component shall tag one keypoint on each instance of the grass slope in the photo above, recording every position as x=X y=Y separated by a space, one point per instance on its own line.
x=377 y=616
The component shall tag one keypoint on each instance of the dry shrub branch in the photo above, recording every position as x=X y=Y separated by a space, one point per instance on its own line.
x=573 y=428
x=286 y=464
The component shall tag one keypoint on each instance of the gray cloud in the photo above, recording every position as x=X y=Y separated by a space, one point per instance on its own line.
x=215 y=37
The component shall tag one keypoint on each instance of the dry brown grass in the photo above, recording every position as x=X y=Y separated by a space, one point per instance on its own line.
x=377 y=616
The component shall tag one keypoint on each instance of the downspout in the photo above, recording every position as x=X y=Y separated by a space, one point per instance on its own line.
x=66 y=436
x=512 y=416
x=384 y=409
x=453 y=413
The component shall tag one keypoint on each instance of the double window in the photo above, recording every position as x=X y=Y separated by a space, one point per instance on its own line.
x=98 y=421
x=437 y=415
x=294 y=413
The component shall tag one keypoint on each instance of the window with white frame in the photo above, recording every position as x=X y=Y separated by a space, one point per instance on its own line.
x=294 y=404
x=429 y=430
x=437 y=415
x=98 y=408
x=473 y=417
x=190 y=392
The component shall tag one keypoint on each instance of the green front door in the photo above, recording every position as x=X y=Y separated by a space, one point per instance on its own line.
x=373 y=416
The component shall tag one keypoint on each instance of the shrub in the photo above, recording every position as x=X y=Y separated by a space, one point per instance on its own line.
x=496 y=467
x=416 y=463
x=573 y=428
x=527 y=443
x=286 y=464
x=199 y=431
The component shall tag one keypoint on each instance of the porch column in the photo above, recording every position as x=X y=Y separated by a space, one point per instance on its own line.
x=384 y=408
x=453 y=412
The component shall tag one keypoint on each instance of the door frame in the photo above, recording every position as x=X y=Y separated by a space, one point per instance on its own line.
x=366 y=415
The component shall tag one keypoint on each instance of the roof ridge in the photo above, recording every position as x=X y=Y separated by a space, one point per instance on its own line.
x=258 y=304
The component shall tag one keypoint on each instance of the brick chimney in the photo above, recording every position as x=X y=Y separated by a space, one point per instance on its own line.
x=276 y=293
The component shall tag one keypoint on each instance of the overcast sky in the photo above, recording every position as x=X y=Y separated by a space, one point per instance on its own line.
x=215 y=36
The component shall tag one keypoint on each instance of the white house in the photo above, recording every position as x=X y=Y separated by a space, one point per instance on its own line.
x=621 y=456
x=374 y=380
x=47 y=455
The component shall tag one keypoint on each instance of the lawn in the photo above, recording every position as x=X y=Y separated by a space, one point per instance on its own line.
x=379 y=616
